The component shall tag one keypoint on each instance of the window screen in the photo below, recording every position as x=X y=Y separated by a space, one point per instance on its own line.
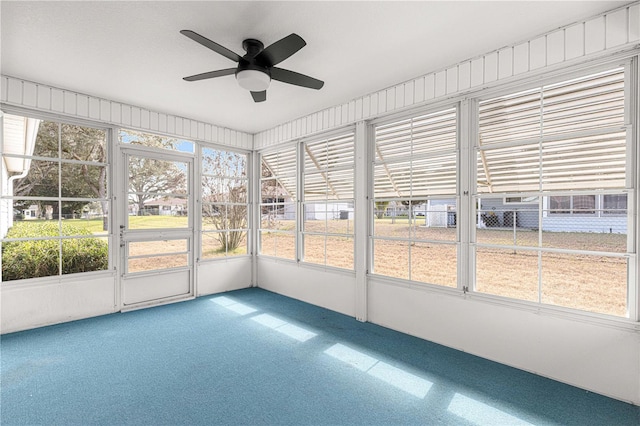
x=415 y=205
x=562 y=147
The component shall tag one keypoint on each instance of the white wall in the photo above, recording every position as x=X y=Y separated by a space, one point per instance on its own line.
x=45 y=302
x=223 y=275
x=325 y=287
x=16 y=92
x=600 y=358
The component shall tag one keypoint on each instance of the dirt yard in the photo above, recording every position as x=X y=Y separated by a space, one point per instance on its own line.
x=587 y=282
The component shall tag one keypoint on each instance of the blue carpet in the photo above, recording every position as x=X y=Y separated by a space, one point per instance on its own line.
x=251 y=357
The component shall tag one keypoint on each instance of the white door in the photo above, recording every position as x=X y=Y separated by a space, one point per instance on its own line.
x=157 y=228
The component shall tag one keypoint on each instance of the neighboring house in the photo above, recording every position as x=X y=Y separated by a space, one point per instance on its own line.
x=322 y=211
x=31 y=213
x=577 y=213
x=166 y=207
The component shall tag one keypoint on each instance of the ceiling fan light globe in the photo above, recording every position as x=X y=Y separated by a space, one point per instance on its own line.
x=252 y=80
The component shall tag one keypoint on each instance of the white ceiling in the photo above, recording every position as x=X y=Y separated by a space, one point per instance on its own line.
x=133 y=52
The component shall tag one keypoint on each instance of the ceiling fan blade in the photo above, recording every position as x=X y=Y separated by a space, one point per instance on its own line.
x=281 y=50
x=211 y=45
x=259 y=96
x=295 y=78
x=210 y=74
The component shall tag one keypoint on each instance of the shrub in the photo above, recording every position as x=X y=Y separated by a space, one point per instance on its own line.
x=40 y=258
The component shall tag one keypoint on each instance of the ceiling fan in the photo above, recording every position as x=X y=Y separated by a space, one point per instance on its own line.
x=257 y=68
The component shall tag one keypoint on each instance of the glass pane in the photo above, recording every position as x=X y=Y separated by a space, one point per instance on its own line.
x=224 y=243
x=508 y=237
x=341 y=221
x=85 y=255
x=83 y=181
x=267 y=243
x=314 y=249
x=29 y=259
x=340 y=252
x=508 y=224
x=157 y=262
x=392 y=180
x=213 y=245
x=434 y=219
x=157 y=213
x=509 y=169
x=281 y=163
x=151 y=176
x=89 y=216
x=588 y=162
x=214 y=217
x=434 y=175
x=275 y=190
x=591 y=102
x=223 y=163
x=237 y=190
x=434 y=264
x=140 y=248
x=615 y=204
x=47 y=140
x=393 y=140
x=237 y=216
x=213 y=190
x=340 y=184
x=507 y=273
x=278 y=216
x=155 y=141
x=41 y=180
x=32 y=210
x=602 y=240
x=236 y=243
x=589 y=283
x=391 y=258
x=315 y=217
x=277 y=244
x=315 y=186
x=394 y=223
x=83 y=143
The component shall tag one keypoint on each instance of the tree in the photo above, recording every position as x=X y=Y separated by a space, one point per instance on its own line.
x=225 y=196
x=79 y=180
x=149 y=177
x=381 y=207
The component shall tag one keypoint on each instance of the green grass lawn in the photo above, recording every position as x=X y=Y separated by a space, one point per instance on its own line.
x=135 y=222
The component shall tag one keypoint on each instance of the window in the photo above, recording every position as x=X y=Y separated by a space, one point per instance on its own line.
x=278 y=197
x=415 y=201
x=565 y=143
x=520 y=200
x=155 y=141
x=225 y=203
x=55 y=198
x=614 y=204
x=328 y=202
x=574 y=204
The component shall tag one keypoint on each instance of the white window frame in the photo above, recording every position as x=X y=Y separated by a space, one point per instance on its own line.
x=632 y=187
x=110 y=138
